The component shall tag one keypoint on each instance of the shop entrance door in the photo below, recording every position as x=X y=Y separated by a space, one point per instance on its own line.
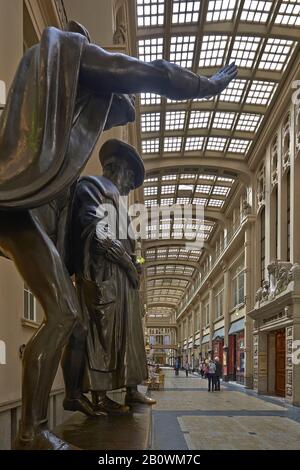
x=280 y=363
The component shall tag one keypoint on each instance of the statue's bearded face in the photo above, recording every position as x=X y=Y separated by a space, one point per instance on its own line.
x=122 y=111
x=120 y=172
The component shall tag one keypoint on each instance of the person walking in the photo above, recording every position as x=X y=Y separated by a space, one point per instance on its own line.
x=177 y=366
x=211 y=375
x=218 y=374
x=186 y=367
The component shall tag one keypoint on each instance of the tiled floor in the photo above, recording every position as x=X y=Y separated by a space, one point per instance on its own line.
x=187 y=416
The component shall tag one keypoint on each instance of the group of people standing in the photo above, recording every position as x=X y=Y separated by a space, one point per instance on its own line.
x=212 y=370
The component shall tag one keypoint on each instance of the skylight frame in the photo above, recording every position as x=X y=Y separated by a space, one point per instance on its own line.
x=244 y=50
x=182 y=50
x=150 y=122
x=199 y=119
x=150 y=13
x=172 y=144
x=213 y=49
x=288 y=14
x=185 y=11
x=257 y=11
x=150 y=49
x=150 y=146
x=223 y=120
x=175 y=120
x=220 y=11
x=276 y=54
x=194 y=143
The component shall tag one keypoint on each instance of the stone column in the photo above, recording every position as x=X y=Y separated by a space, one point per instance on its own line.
x=295 y=194
x=211 y=316
x=226 y=310
x=249 y=299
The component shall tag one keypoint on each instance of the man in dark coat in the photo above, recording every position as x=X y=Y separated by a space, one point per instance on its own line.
x=66 y=91
x=107 y=278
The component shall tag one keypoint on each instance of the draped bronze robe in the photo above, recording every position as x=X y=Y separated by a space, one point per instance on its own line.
x=110 y=305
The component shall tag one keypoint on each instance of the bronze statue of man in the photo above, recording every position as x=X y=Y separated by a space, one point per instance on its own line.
x=107 y=280
x=66 y=91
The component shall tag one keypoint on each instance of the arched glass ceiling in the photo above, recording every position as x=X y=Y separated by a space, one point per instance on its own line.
x=187 y=187
x=262 y=37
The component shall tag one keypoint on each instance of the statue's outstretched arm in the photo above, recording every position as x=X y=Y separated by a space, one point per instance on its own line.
x=107 y=72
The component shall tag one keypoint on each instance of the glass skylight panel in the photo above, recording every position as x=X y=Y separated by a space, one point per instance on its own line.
x=187 y=176
x=199 y=201
x=215 y=202
x=169 y=177
x=223 y=120
x=238 y=145
x=167 y=201
x=152 y=179
x=151 y=202
x=150 y=191
x=176 y=101
x=185 y=187
x=212 y=51
x=216 y=143
x=289 y=13
x=225 y=179
x=220 y=10
x=150 y=146
x=256 y=11
x=206 y=177
x=172 y=144
x=220 y=190
x=183 y=200
x=199 y=119
x=203 y=188
x=168 y=189
x=182 y=50
x=150 y=12
x=234 y=91
x=175 y=120
x=150 y=122
x=194 y=143
x=275 y=54
x=150 y=49
x=185 y=11
x=261 y=92
x=244 y=50
x=248 y=122
x=150 y=98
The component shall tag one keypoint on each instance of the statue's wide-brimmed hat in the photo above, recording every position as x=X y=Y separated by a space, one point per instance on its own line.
x=75 y=27
x=117 y=148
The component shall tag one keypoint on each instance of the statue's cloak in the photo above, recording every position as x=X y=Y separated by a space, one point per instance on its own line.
x=50 y=124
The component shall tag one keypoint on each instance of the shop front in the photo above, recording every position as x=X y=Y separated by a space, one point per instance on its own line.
x=276 y=334
x=218 y=344
x=205 y=347
x=236 y=351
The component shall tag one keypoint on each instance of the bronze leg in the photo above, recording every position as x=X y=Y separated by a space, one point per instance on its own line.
x=41 y=267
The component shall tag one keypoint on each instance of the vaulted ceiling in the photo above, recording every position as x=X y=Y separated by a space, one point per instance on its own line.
x=196 y=151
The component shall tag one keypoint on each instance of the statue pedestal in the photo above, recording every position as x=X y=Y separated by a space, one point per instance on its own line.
x=108 y=433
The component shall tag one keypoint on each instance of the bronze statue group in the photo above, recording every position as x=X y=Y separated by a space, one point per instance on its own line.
x=65 y=93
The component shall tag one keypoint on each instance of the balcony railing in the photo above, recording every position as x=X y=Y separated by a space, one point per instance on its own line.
x=214 y=260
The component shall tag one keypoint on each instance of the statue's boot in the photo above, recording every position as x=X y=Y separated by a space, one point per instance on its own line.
x=43 y=439
x=134 y=396
x=83 y=405
x=111 y=407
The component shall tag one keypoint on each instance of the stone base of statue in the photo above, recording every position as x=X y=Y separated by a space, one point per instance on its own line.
x=129 y=432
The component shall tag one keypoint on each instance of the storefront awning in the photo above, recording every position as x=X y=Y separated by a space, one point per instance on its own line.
x=205 y=339
x=219 y=333
x=236 y=326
